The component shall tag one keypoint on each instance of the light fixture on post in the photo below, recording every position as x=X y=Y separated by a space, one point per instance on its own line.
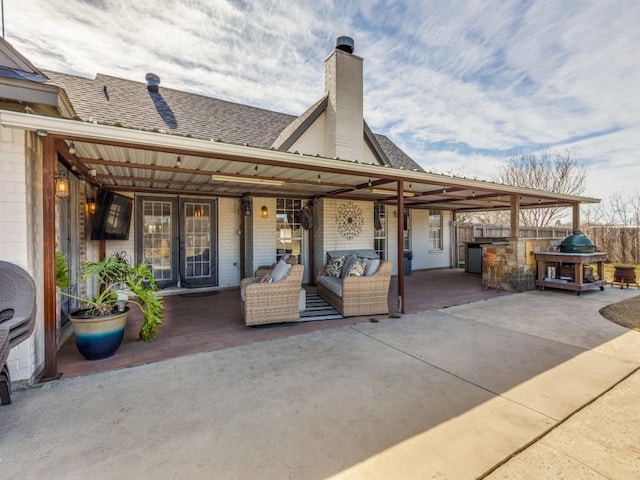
x=62 y=186
x=265 y=212
x=91 y=205
x=252 y=180
x=245 y=207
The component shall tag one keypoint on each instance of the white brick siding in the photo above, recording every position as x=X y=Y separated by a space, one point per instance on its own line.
x=228 y=242
x=21 y=214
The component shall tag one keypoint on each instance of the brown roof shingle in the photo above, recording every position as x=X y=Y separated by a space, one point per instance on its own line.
x=117 y=101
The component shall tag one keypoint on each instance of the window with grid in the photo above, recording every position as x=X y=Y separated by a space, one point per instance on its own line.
x=435 y=229
x=380 y=234
x=289 y=230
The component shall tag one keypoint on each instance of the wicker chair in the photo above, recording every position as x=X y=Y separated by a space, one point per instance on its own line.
x=5 y=379
x=276 y=302
x=17 y=317
x=361 y=295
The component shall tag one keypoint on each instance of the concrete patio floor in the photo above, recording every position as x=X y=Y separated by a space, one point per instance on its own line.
x=450 y=393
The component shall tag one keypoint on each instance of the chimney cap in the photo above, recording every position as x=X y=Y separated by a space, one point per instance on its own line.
x=153 y=81
x=346 y=44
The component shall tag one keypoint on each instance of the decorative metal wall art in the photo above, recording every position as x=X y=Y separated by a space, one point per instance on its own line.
x=349 y=220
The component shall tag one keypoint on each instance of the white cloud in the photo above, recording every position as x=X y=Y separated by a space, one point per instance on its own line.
x=479 y=79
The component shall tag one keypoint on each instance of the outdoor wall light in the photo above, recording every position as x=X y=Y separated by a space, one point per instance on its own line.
x=91 y=205
x=62 y=186
x=72 y=149
x=41 y=132
x=265 y=212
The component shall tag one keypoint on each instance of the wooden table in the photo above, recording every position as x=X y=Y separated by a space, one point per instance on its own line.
x=578 y=260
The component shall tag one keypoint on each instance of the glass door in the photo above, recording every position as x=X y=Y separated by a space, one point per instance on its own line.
x=156 y=236
x=177 y=239
x=198 y=262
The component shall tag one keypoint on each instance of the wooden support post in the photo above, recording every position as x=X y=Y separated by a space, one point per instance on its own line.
x=49 y=162
x=400 y=246
x=515 y=215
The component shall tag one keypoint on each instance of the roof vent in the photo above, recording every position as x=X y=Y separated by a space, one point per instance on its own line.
x=153 y=82
x=346 y=44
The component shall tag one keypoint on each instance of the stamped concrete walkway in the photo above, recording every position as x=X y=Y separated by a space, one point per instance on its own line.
x=535 y=385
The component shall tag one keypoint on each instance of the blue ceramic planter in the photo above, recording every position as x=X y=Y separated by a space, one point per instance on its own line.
x=98 y=337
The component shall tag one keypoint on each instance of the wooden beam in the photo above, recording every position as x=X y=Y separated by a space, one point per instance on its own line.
x=49 y=161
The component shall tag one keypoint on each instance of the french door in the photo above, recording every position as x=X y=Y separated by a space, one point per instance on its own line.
x=177 y=238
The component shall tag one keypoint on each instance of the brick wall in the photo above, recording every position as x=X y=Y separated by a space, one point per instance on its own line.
x=228 y=242
x=20 y=214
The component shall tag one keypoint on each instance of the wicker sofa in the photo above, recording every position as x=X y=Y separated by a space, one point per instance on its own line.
x=356 y=295
x=275 y=302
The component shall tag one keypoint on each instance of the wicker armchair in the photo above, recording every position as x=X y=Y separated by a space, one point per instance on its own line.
x=17 y=317
x=360 y=295
x=276 y=302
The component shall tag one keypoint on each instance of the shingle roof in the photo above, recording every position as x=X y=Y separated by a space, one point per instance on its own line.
x=121 y=102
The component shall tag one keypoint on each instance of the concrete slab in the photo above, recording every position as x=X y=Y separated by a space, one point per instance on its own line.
x=547 y=376
x=600 y=441
x=310 y=406
x=562 y=316
x=431 y=395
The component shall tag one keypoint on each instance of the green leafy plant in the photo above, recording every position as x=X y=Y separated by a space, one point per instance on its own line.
x=117 y=279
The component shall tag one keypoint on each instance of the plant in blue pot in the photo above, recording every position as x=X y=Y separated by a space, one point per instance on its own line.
x=99 y=326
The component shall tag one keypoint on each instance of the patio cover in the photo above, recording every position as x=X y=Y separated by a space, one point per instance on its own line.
x=129 y=160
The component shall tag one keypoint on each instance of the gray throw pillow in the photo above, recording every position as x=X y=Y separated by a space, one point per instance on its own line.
x=280 y=271
x=372 y=266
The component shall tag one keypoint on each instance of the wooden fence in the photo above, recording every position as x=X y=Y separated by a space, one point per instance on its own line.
x=469 y=232
x=622 y=244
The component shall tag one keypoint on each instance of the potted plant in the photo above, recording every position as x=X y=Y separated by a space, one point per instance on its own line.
x=99 y=325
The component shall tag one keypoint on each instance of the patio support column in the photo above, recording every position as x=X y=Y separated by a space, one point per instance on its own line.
x=576 y=216
x=401 y=246
x=515 y=215
x=49 y=253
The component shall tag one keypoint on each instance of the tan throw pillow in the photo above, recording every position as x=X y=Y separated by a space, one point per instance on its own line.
x=334 y=267
x=356 y=269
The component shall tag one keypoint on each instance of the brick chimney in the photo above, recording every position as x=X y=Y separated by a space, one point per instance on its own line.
x=343 y=84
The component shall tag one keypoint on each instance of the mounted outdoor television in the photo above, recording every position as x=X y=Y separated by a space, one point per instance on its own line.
x=113 y=216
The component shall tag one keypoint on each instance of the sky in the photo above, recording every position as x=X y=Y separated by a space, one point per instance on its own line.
x=461 y=86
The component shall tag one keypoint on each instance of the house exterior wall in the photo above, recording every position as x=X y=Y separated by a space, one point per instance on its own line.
x=312 y=141
x=327 y=234
x=228 y=242
x=423 y=256
x=263 y=238
x=21 y=214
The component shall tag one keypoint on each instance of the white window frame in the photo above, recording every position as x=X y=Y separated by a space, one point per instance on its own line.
x=380 y=243
x=435 y=230
x=291 y=230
